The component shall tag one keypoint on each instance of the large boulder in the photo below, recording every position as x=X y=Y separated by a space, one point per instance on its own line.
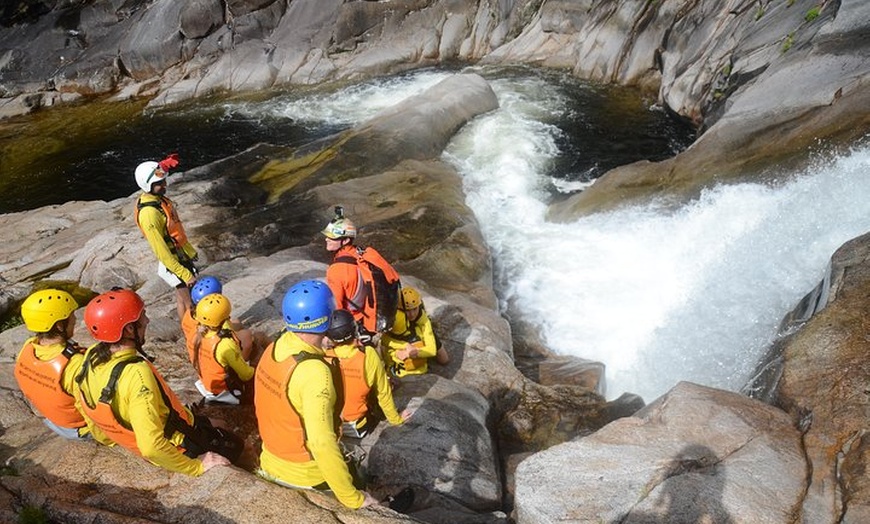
x=694 y=455
x=818 y=374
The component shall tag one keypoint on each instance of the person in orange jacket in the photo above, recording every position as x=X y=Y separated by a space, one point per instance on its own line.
x=157 y=218
x=207 y=285
x=363 y=374
x=218 y=357
x=295 y=399
x=126 y=402
x=46 y=366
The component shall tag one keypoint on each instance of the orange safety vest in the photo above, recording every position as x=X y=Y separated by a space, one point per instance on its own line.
x=353 y=381
x=174 y=236
x=281 y=427
x=40 y=381
x=105 y=418
x=211 y=372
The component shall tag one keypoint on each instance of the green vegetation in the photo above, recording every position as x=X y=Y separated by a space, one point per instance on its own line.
x=32 y=515
x=788 y=42
x=760 y=12
x=789 y=3
x=812 y=14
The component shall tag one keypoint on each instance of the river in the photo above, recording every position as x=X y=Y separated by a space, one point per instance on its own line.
x=658 y=295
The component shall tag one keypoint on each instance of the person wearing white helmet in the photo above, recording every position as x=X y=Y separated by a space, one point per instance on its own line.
x=158 y=220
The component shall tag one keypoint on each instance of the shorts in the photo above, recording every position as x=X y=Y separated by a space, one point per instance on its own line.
x=169 y=277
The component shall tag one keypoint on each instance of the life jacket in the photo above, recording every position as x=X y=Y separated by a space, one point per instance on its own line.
x=211 y=372
x=377 y=296
x=353 y=380
x=174 y=234
x=281 y=427
x=40 y=381
x=105 y=418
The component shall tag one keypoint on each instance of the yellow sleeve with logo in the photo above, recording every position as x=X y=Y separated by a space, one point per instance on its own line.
x=141 y=405
x=312 y=394
x=229 y=355
x=376 y=377
x=153 y=224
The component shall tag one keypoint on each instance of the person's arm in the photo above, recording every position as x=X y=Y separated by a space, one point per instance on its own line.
x=335 y=275
x=313 y=381
x=147 y=414
x=376 y=377
x=426 y=347
x=229 y=355
x=153 y=224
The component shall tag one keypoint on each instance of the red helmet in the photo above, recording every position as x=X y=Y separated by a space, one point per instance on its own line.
x=107 y=314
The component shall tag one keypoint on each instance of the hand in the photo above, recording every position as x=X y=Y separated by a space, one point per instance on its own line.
x=211 y=459
x=169 y=162
x=407 y=413
x=368 y=500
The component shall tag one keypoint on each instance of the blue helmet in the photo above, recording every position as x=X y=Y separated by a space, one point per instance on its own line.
x=307 y=306
x=204 y=286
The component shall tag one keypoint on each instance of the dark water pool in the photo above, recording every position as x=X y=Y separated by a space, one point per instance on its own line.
x=89 y=151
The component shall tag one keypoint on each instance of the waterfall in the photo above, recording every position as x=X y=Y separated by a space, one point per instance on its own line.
x=657 y=295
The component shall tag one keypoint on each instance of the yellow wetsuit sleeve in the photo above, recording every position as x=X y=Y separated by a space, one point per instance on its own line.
x=312 y=394
x=376 y=377
x=141 y=405
x=427 y=336
x=229 y=355
x=153 y=225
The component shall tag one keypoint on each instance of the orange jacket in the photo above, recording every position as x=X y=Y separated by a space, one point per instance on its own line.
x=280 y=425
x=354 y=385
x=40 y=381
x=211 y=372
x=103 y=416
x=352 y=284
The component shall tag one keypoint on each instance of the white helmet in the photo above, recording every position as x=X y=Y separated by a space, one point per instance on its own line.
x=148 y=173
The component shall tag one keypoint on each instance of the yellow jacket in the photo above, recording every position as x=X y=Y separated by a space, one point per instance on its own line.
x=311 y=392
x=401 y=335
x=139 y=406
x=376 y=378
x=153 y=224
x=229 y=355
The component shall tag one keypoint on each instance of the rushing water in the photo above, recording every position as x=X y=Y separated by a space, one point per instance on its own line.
x=657 y=295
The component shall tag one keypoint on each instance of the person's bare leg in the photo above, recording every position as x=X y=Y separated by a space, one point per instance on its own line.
x=442 y=357
x=183 y=302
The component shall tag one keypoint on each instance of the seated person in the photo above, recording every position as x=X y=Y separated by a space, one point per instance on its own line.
x=49 y=361
x=206 y=286
x=363 y=376
x=411 y=342
x=217 y=352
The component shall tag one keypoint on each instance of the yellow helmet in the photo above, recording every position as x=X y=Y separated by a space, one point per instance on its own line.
x=213 y=310
x=43 y=308
x=410 y=299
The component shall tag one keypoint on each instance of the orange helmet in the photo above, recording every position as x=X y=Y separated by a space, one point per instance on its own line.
x=107 y=314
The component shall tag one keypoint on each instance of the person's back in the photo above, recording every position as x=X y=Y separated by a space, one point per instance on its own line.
x=128 y=403
x=295 y=401
x=47 y=364
x=363 y=374
x=217 y=353
x=360 y=279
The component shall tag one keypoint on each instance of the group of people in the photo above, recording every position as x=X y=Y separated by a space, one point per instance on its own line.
x=311 y=386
